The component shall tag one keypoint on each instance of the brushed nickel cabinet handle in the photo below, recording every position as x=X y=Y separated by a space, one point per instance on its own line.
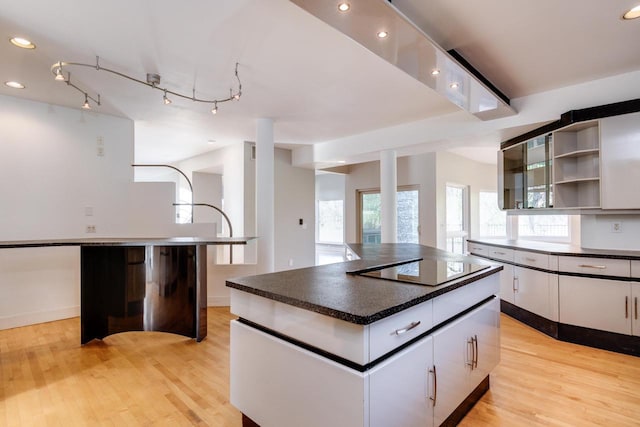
x=516 y=284
x=635 y=307
x=499 y=253
x=530 y=259
x=406 y=329
x=470 y=351
x=475 y=352
x=435 y=385
x=626 y=307
x=599 y=267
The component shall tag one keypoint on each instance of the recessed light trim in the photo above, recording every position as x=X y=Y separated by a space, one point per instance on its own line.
x=435 y=72
x=632 y=13
x=382 y=34
x=14 y=85
x=344 y=7
x=454 y=85
x=22 y=42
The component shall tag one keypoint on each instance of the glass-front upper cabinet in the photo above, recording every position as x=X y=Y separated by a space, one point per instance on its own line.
x=526 y=174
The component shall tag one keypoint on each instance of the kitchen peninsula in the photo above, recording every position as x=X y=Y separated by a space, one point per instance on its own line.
x=406 y=335
x=135 y=284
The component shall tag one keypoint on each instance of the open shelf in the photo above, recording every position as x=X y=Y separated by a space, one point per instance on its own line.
x=576 y=171
x=579 y=153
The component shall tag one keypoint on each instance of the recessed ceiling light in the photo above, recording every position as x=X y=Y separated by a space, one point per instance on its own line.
x=435 y=72
x=14 y=85
x=382 y=34
x=343 y=7
x=453 y=85
x=211 y=141
x=632 y=13
x=23 y=43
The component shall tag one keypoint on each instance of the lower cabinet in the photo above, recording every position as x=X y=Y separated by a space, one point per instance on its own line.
x=635 y=320
x=537 y=292
x=402 y=388
x=464 y=352
x=507 y=284
x=285 y=385
x=602 y=304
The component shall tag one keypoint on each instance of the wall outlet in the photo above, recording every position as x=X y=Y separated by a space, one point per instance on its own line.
x=88 y=211
x=90 y=229
x=100 y=146
x=290 y=262
x=616 y=227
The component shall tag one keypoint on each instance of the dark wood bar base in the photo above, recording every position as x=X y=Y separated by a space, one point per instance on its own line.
x=619 y=343
x=456 y=416
x=143 y=288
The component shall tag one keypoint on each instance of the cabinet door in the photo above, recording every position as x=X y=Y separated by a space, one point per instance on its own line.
x=620 y=136
x=401 y=388
x=634 y=310
x=506 y=283
x=453 y=356
x=486 y=332
x=596 y=303
x=534 y=291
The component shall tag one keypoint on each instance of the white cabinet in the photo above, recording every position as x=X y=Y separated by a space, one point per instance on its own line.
x=537 y=292
x=507 y=284
x=464 y=352
x=596 y=303
x=635 y=318
x=620 y=139
x=401 y=388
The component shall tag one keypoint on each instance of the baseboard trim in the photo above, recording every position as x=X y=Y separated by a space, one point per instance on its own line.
x=32 y=318
x=540 y=323
x=604 y=340
x=218 y=301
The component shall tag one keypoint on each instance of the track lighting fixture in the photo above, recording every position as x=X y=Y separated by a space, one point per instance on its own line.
x=152 y=81
x=86 y=105
x=166 y=100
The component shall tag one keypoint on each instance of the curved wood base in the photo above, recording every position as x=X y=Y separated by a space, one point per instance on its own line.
x=143 y=288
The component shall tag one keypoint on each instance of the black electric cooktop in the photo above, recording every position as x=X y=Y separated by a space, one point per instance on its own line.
x=428 y=272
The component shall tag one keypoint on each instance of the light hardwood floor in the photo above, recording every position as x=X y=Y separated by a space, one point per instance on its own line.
x=47 y=378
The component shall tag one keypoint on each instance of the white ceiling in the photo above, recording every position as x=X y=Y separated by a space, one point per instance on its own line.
x=316 y=83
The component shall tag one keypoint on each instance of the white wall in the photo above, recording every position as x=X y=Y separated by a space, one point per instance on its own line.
x=51 y=171
x=294 y=199
x=54 y=184
x=596 y=232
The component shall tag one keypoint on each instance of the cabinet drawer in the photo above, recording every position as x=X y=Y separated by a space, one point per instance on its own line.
x=395 y=330
x=476 y=249
x=596 y=266
x=532 y=259
x=635 y=269
x=502 y=254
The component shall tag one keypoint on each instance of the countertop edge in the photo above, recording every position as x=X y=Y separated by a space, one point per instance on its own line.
x=569 y=251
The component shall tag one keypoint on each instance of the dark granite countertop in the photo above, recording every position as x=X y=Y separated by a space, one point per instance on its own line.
x=166 y=241
x=558 y=249
x=329 y=290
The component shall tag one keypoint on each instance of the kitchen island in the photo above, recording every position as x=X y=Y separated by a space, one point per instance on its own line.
x=336 y=345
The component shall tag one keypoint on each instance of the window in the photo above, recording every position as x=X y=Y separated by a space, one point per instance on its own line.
x=330 y=221
x=407 y=211
x=492 y=221
x=456 y=217
x=544 y=227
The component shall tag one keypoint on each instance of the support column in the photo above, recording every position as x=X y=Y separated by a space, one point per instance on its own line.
x=388 y=196
x=265 y=196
